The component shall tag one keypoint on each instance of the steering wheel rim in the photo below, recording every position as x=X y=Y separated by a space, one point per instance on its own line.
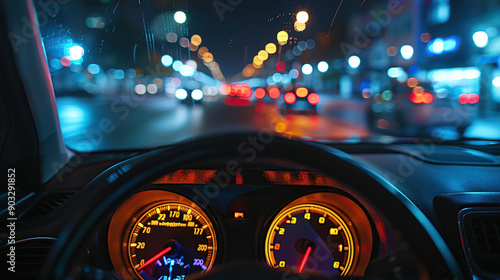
x=331 y=162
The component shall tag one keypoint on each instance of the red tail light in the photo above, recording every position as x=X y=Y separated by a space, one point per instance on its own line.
x=473 y=98
x=290 y=98
x=468 y=98
x=260 y=93
x=274 y=93
x=313 y=98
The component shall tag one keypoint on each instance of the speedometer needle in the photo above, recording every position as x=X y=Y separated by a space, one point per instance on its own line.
x=302 y=263
x=157 y=256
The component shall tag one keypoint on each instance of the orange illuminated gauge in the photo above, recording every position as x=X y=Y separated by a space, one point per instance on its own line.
x=311 y=237
x=169 y=241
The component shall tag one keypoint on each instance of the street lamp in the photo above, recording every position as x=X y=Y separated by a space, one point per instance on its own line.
x=407 y=52
x=76 y=52
x=354 y=61
x=480 y=38
x=271 y=48
x=323 y=66
x=282 y=38
x=307 y=69
x=496 y=81
x=180 y=17
x=302 y=16
x=166 y=60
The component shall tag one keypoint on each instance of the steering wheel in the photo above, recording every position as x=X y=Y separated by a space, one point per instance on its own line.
x=423 y=238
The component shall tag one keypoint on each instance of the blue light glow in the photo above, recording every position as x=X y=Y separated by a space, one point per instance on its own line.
x=395 y=72
x=277 y=77
x=177 y=65
x=187 y=71
x=119 y=74
x=294 y=73
x=440 y=46
x=93 y=69
x=76 y=52
x=167 y=60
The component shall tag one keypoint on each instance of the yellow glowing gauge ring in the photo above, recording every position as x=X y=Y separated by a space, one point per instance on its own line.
x=310 y=237
x=171 y=240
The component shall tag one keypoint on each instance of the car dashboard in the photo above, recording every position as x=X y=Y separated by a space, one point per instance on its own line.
x=275 y=214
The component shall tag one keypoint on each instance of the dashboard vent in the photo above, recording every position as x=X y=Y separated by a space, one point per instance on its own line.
x=486 y=234
x=482 y=232
x=46 y=204
x=30 y=256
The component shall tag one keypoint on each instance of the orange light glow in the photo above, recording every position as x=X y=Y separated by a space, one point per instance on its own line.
x=421 y=97
x=280 y=127
x=196 y=40
x=412 y=82
x=301 y=92
x=208 y=57
x=239 y=215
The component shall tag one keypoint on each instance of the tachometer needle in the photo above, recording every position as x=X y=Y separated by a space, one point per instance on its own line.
x=302 y=262
x=157 y=256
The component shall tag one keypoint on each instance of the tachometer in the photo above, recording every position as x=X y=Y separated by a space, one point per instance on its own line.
x=310 y=237
x=314 y=233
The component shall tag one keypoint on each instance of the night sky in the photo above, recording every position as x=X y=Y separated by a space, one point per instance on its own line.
x=244 y=29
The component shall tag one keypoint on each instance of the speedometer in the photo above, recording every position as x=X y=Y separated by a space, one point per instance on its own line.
x=170 y=241
x=162 y=235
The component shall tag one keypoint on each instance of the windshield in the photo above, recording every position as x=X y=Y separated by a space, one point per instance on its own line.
x=146 y=73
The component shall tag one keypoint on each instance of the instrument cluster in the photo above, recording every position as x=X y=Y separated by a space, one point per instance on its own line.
x=167 y=231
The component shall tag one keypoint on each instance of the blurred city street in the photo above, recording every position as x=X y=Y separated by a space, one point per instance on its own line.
x=151 y=74
x=125 y=123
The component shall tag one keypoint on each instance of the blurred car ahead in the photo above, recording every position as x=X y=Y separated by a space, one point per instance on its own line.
x=238 y=94
x=301 y=100
x=270 y=94
x=419 y=109
x=189 y=97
